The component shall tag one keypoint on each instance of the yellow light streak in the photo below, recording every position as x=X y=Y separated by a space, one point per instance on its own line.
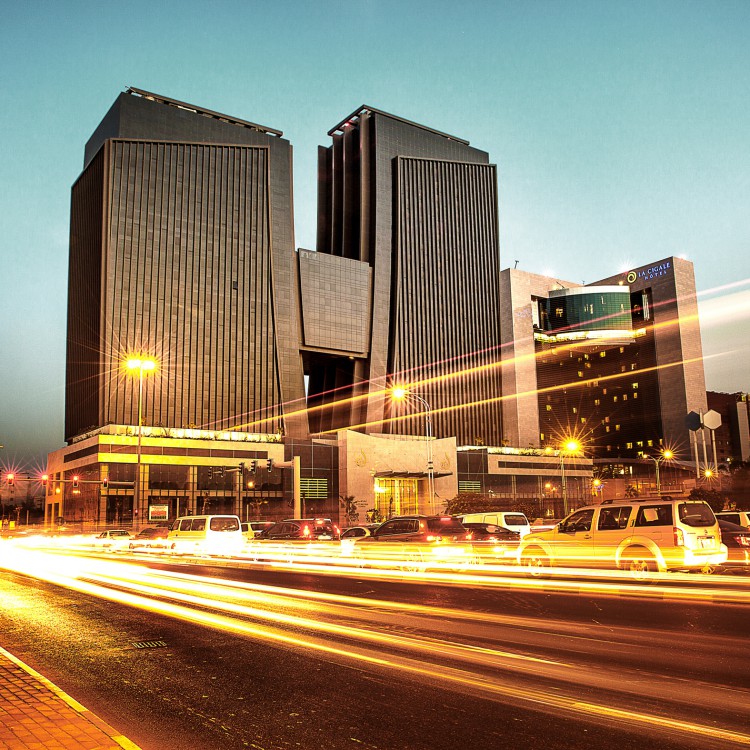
x=145 y=583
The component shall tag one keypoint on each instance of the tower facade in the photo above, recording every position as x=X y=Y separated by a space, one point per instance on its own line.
x=419 y=208
x=182 y=248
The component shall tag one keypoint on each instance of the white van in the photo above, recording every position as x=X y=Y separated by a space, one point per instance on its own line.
x=512 y=520
x=207 y=535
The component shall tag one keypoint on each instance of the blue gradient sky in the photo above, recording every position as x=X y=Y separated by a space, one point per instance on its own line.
x=621 y=132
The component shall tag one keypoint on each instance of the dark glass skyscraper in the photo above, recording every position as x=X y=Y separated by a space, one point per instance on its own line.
x=182 y=247
x=419 y=207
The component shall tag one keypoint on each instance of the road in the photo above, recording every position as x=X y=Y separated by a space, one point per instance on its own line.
x=207 y=654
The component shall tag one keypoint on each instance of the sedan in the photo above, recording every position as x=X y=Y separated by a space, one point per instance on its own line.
x=416 y=543
x=148 y=538
x=737 y=540
x=493 y=544
x=113 y=539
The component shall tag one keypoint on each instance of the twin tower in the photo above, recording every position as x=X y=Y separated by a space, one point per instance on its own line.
x=182 y=247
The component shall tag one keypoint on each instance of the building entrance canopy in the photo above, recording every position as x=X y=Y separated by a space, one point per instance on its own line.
x=409 y=474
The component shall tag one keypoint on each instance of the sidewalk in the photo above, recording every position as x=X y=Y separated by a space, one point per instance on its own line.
x=36 y=714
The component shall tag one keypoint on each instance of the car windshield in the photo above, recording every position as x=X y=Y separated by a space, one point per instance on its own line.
x=445 y=525
x=517 y=520
x=696 y=514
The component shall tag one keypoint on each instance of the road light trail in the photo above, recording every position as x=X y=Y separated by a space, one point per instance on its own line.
x=499 y=657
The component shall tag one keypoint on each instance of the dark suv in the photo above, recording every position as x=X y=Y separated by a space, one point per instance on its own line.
x=416 y=543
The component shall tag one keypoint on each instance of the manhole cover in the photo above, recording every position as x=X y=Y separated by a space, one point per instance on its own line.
x=150 y=644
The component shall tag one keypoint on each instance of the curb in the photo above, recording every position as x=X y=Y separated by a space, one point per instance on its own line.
x=92 y=718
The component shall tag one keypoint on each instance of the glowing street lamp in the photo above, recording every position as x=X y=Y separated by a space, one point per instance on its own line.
x=400 y=393
x=665 y=455
x=141 y=365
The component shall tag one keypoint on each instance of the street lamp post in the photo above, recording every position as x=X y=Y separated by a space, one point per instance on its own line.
x=141 y=364
x=569 y=447
x=665 y=455
x=401 y=394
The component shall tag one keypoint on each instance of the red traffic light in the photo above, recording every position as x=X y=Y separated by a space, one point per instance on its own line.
x=45 y=479
x=9 y=478
x=75 y=480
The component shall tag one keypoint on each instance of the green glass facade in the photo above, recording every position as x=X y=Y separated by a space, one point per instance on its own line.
x=597 y=310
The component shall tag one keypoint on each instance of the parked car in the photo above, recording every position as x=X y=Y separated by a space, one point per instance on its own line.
x=417 y=543
x=642 y=536
x=740 y=517
x=150 y=537
x=251 y=529
x=737 y=541
x=295 y=537
x=113 y=539
x=513 y=520
x=493 y=544
x=300 y=529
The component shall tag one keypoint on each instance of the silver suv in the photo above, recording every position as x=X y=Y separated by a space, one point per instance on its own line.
x=642 y=536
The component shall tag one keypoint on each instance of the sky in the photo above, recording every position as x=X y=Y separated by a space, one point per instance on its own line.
x=621 y=132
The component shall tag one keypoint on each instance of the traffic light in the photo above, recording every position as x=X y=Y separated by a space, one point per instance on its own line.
x=269 y=464
x=75 y=481
x=210 y=472
x=45 y=479
x=10 y=479
x=105 y=482
x=252 y=466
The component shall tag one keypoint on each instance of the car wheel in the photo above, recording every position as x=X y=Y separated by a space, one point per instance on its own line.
x=535 y=562
x=640 y=564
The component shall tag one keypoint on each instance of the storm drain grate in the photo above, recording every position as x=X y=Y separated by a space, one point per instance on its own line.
x=150 y=644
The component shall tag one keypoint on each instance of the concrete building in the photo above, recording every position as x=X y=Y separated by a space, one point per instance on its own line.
x=733 y=436
x=617 y=363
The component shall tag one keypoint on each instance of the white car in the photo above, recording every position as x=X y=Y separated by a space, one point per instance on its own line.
x=113 y=539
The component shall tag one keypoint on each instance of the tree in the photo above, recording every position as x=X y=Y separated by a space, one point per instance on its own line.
x=631 y=491
x=350 y=508
x=715 y=498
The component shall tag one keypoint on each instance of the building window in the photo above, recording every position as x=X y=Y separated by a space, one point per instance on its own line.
x=635 y=386
x=549 y=407
x=469 y=486
x=597 y=402
x=312 y=488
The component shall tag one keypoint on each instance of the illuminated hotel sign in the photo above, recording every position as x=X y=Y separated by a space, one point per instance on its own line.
x=650 y=272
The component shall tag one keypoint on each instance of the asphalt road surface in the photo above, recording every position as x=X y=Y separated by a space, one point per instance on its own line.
x=184 y=655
